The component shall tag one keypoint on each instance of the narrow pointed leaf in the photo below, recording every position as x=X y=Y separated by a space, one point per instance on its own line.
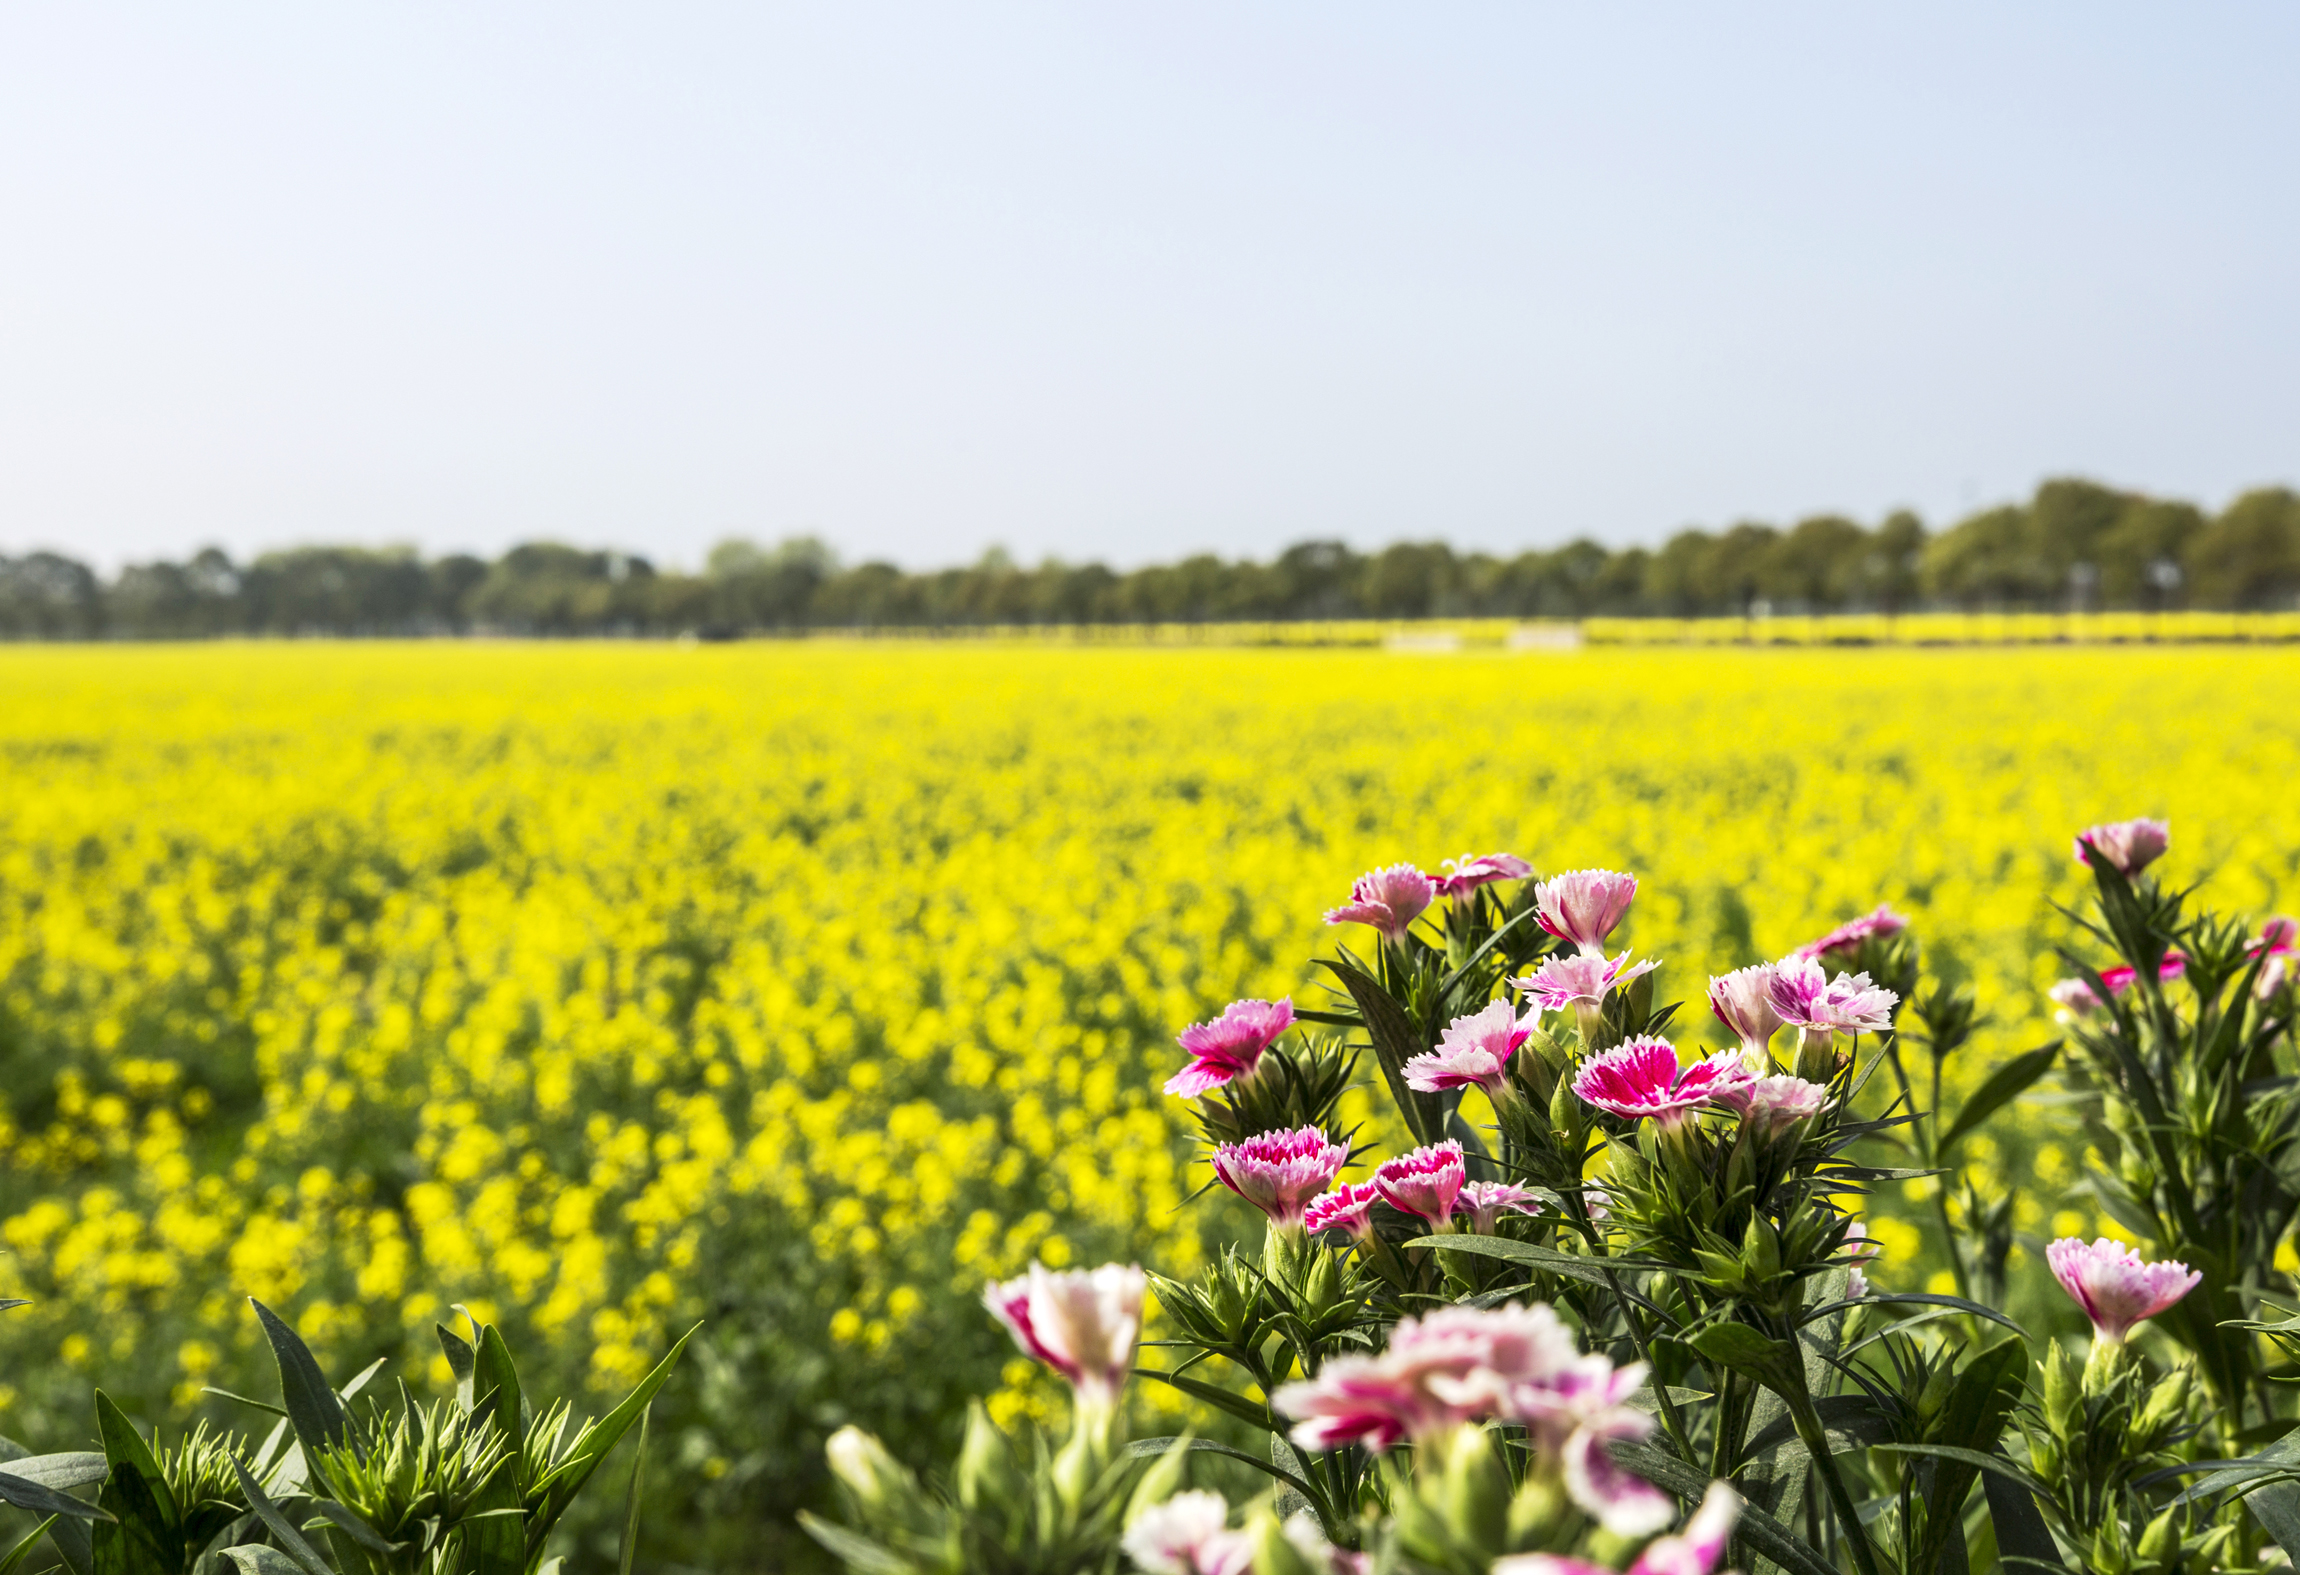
x=2003 y=1085
x=592 y=1446
x=291 y=1541
x=1159 y=1446
x=312 y=1405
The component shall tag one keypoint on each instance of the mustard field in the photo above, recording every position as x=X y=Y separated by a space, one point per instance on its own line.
x=803 y=988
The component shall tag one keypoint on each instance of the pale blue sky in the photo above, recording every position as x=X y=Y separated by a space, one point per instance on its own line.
x=1125 y=281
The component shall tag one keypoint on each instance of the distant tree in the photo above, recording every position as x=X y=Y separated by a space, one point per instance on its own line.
x=766 y=588
x=1892 y=567
x=1408 y=579
x=47 y=596
x=1987 y=558
x=1678 y=579
x=1319 y=579
x=1742 y=566
x=2143 y=556
x=2250 y=556
x=1818 y=563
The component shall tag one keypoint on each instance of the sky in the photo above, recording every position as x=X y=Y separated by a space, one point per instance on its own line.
x=1126 y=281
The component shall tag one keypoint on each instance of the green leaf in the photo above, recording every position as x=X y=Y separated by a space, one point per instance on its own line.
x=1446 y=985
x=125 y=1450
x=1758 y=1529
x=1396 y=1040
x=16 y=1555
x=291 y=1541
x=1919 y=1299
x=1969 y=1457
x=858 y=1553
x=1773 y=1363
x=1238 y=1406
x=2022 y=1536
x=638 y=1486
x=352 y=1526
x=140 y=1538
x=592 y=1446
x=1159 y=1446
x=494 y=1372
x=1980 y=1401
x=2277 y=1506
x=42 y=1499
x=255 y=1559
x=1572 y=1266
x=462 y=1360
x=2002 y=1086
x=74 y=1468
x=312 y=1405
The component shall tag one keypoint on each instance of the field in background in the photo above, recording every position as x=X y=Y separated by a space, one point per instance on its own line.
x=804 y=986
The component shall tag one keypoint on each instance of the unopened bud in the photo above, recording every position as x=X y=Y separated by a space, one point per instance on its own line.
x=2063 y=1401
x=2161 y=1540
x=2109 y=1554
x=1476 y=1491
x=2167 y=1405
x=862 y=1463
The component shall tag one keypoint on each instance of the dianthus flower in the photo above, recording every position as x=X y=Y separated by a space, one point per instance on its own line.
x=1424 y=1182
x=2277 y=954
x=1349 y=1207
x=2114 y=1286
x=1848 y=936
x=1694 y=1550
x=1473 y=1049
x=1806 y=997
x=1439 y=1370
x=1230 y=1046
x=1280 y=1172
x=1641 y=1078
x=1743 y=1002
x=2127 y=845
x=1189 y=1534
x=2075 y=997
x=1467 y=873
x=1561 y=982
x=1084 y=1323
x=1864 y=1251
x=1769 y=1104
x=1486 y=1201
x=1583 y=906
x=1389 y=899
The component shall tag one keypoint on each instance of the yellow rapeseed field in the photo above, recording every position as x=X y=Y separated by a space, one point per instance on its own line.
x=804 y=987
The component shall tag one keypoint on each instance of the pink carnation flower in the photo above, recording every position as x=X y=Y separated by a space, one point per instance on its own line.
x=1349 y=1207
x=1280 y=1172
x=1561 y=982
x=1743 y=1002
x=1389 y=899
x=1189 y=1534
x=1806 y=997
x=1694 y=1550
x=1467 y=873
x=2128 y=845
x=1769 y=1104
x=2278 y=935
x=1230 y=1046
x=1849 y=935
x=2114 y=1286
x=1474 y=1049
x=1486 y=1201
x=2075 y=997
x=1424 y=1182
x=1083 y=1323
x=1864 y=1251
x=1441 y=1369
x=1583 y=906
x=1641 y=1078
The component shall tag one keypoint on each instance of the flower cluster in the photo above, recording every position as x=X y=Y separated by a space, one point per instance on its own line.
x=1516 y=1363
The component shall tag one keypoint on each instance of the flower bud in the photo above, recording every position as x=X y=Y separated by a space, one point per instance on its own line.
x=2109 y=1554
x=862 y=1463
x=2166 y=1406
x=2063 y=1401
x=2162 y=1538
x=1475 y=1491
x=987 y=1475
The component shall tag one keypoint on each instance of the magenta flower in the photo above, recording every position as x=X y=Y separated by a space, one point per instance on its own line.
x=1230 y=1046
x=1189 y=1534
x=1388 y=899
x=1280 y=1172
x=1425 y=1182
x=1561 y=982
x=2075 y=997
x=2114 y=1286
x=1467 y=873
x=1848 y=936
x=1769 y=1104
x=1743 y=1002
x=2128 y=845
x=1574 y=1405
x=1583 y=906
x=1450 y=1366
x=1806 y=997
x=1694 y=1550
x=1486 y=1201
x=1349 y=1207
x=1083 y=1324
x=2278 y=935
x=1641 y=1078
x=1474 y=1049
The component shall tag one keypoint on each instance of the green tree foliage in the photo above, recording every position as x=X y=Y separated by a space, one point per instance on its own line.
x=2076 y=545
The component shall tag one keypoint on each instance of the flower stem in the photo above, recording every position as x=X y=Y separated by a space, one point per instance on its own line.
x=1808 y=1422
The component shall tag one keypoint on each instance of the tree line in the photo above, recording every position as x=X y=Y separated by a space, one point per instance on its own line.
x=2075 y=545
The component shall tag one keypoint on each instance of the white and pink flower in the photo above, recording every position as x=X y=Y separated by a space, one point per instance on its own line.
x=1189 y=1534
x=1642 y=1077
x=1806 y=997
x=1082 y=1323
x=1473 y=1050
x=1485 y=1202
x=1693 y=1550
x=1424 y=1182
x=2076 y=999
x=1280 y=1172
x=1467 y=873
x=1583 y=906
x=1389 y=899
x=2115 y=1286
x=1743 y=1002
x=2126 y=845
x=1578 y=981
x=1770 y=1104
x=1847 y=937
x=1349 y=1207
x=1230 y=1046
x=1863 y=1251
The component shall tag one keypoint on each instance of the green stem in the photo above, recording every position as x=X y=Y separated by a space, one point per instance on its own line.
x=1669 y=1416
x=1816 y=1439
